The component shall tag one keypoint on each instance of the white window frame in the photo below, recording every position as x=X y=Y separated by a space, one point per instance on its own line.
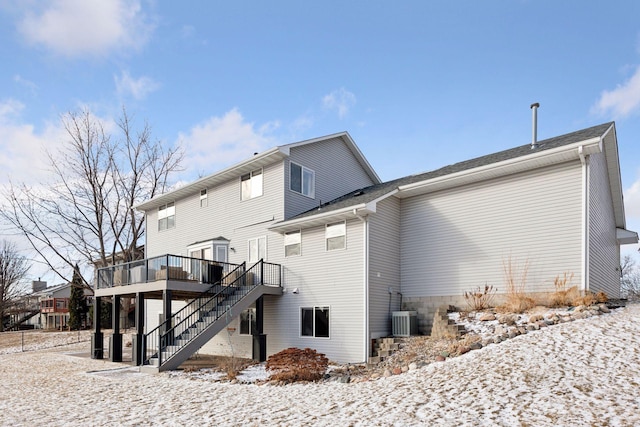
x=257 y=241
x=334 y=231
x=251 y=184
x=204 y=198
x=313 y=310
x=251 y=319
x=292 y=239
x=167 y=212
x=307 y=188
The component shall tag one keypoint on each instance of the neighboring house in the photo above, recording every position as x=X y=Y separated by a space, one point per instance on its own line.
x=342 y=250
x=44 y=308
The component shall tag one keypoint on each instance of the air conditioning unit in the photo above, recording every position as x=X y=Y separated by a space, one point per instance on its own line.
x=404 y=323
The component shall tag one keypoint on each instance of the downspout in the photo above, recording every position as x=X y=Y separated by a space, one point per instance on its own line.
x=365 y=229
x=584 y=161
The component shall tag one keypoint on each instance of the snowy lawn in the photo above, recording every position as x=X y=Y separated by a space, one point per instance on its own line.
x=585 y=372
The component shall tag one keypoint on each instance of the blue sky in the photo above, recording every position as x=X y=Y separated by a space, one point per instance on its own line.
x=417 y=84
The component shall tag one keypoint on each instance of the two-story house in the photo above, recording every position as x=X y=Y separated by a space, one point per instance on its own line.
x=303 y=246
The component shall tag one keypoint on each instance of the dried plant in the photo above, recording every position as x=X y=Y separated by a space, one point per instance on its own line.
x=563 y=295
x=601 y=297
x=480 y=299
x=515 y=277
x=294 y=364
x=589 y=298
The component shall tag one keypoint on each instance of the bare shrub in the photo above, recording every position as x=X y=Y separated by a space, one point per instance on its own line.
x=563 y=294
x=589 y=298
x=480 y=299
x=515 y=277
x=601 y=297
x=293 y=364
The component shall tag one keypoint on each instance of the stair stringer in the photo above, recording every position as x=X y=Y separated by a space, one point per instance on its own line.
x=180 y=356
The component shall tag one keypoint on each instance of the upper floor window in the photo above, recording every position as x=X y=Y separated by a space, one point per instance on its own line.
x=302 y=180
x=203 y=198
x=292 y=243
x=166 y=216
x=336 y=236
x=251 y=185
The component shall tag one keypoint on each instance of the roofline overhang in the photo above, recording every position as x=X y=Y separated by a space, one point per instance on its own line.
x=359 y=210
x=626 y=237
x=505 y=167
x=259 y=160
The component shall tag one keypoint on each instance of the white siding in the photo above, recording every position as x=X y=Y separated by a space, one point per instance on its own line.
x=384 y=266
x=604 y=252
x=226 y=215
x=337 y=172
x=457 y=240
x=334 y=279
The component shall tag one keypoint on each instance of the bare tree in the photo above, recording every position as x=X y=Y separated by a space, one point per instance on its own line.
x=86 y=211
x=629 y=278
x=13 y=269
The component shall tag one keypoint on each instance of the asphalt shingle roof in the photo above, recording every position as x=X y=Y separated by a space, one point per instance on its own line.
x=368 y=194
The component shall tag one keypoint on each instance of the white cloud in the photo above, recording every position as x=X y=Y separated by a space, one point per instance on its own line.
x=26 y=83
x=632 y=200
x=221 y=141
x=22 y=147
x=138 y=88
x=79 y=27
x=621 y=101
x=340 y=100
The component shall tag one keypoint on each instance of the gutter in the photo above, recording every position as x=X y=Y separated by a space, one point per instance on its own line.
x=590 y=146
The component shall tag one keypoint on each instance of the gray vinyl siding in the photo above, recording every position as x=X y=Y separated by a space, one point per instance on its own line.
x=384 y=266
x=226 y=215
x=323 y=278
x=604 y=252
x=337 y=172
x=457 y=240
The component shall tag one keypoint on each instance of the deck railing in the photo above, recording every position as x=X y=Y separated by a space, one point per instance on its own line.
x=165 y=267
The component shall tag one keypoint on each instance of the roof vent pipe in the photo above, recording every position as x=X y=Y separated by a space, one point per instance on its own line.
x=534 y=130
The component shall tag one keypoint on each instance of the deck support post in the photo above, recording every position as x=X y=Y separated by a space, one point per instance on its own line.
x=259 y=352
x=137 y=358
x=115 y=349
x=97 y=338
x=167 y=294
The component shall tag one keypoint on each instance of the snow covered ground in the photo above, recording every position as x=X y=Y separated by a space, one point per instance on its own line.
x=579 y=373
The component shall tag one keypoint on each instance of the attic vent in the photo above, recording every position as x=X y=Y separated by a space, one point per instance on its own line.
x=358 y=193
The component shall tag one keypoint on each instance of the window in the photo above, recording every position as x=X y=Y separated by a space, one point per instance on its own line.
x=166 y=216
x=336 y=236
x=203 y=198
x=248 y=321
x=292 y=243
x=251 y=185
x=314 y=322
x=257 y=249
x=302 y=180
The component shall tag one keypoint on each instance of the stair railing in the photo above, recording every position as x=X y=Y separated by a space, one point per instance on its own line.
x=212 y=309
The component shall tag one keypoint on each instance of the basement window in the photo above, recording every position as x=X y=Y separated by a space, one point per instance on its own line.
x=314 y=322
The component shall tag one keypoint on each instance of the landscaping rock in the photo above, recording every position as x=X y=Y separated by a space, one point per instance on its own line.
x=603 y=308
x=487 y=317
x=476 y=345
x=508 y=319
x=440 y=358
x=413 y=366
x=535 y=318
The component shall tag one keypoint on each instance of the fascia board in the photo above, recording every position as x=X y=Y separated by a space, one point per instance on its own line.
x=259 y=160
x=555 y=155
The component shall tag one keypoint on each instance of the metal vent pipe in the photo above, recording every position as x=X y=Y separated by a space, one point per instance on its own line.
x=534 y=130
